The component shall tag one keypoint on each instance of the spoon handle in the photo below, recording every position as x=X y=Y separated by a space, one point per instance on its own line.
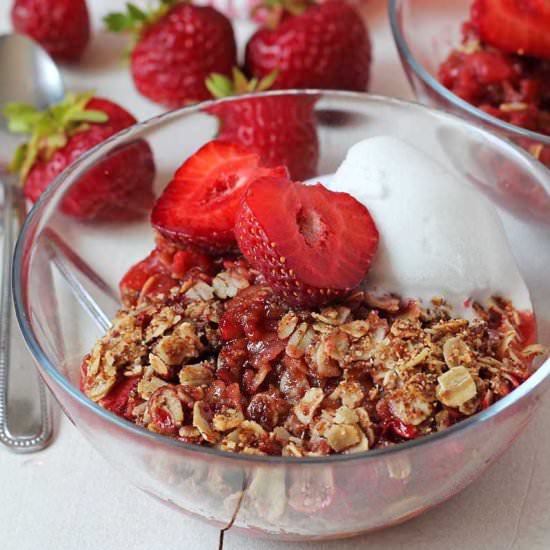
x=40 y=434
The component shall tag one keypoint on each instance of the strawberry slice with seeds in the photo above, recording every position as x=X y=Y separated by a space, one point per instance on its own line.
x=199 y=205
x=312 y=245
x=514 y=26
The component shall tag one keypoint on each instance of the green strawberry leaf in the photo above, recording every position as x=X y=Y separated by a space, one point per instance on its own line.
x=135 y=20
x=240 y=84
x=18 y=158
x=118 y=22
x=220 y=85
x=135 y=13
x=50 y=129
x=88 y=116
x=31 y=154
x=52 y=143
x=267 y=81
x=20 y=117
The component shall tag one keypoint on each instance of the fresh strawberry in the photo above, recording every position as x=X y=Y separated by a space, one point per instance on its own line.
x=61 y=27
x=176 y=47
x=282 y=129
x=312 y=46
x=119 y=187
x=311 y=244
x=514 y=26
x=199 y=205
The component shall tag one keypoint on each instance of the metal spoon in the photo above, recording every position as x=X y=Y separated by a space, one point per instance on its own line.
x=27 y=74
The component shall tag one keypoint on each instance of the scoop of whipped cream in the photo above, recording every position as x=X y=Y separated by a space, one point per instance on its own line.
x=439 y=237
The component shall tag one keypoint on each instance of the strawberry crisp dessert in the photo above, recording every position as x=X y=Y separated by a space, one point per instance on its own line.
x=336 y=315
x=503 y=64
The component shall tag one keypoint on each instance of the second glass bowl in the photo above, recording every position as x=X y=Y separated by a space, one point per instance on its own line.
x=425 y=32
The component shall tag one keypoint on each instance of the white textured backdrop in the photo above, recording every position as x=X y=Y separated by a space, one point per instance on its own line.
x=67 y=497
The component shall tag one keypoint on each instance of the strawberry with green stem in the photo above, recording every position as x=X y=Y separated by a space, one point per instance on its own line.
x=281 y=129
x=313 y=45
x=118 y=187
x=174 y=48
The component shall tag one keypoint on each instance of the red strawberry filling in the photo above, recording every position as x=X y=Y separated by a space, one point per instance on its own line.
x=503 y=68
x=122 y=398
x=495 y=69
x=248 y=373
x=200 y=203
x=160 y=271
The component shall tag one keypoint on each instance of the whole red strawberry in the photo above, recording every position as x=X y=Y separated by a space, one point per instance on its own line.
x=177 y=47
x=62 y=27
x=119 y=187
x=281 y=128
x=323 y=46
x=312 y=245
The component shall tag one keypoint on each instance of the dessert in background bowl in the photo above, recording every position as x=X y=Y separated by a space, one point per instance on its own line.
x=301 y=494
x=488 y=62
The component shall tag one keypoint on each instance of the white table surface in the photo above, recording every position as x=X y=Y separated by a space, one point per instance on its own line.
x=67 y=497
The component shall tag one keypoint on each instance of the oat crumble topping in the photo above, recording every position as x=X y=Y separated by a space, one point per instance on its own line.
x=222 y=361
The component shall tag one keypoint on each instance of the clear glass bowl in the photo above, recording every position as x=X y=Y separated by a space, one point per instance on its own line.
x=272 y=496
x=425 y=32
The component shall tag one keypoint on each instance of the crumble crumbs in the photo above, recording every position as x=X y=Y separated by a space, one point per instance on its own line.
x=222 y=361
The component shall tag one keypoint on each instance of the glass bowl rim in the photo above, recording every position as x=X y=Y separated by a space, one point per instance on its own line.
x=25 y=240
x=453 y=99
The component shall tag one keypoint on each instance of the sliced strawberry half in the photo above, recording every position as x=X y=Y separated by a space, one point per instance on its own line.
x=311 y=244
x=199 y=205
x=514 y=26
